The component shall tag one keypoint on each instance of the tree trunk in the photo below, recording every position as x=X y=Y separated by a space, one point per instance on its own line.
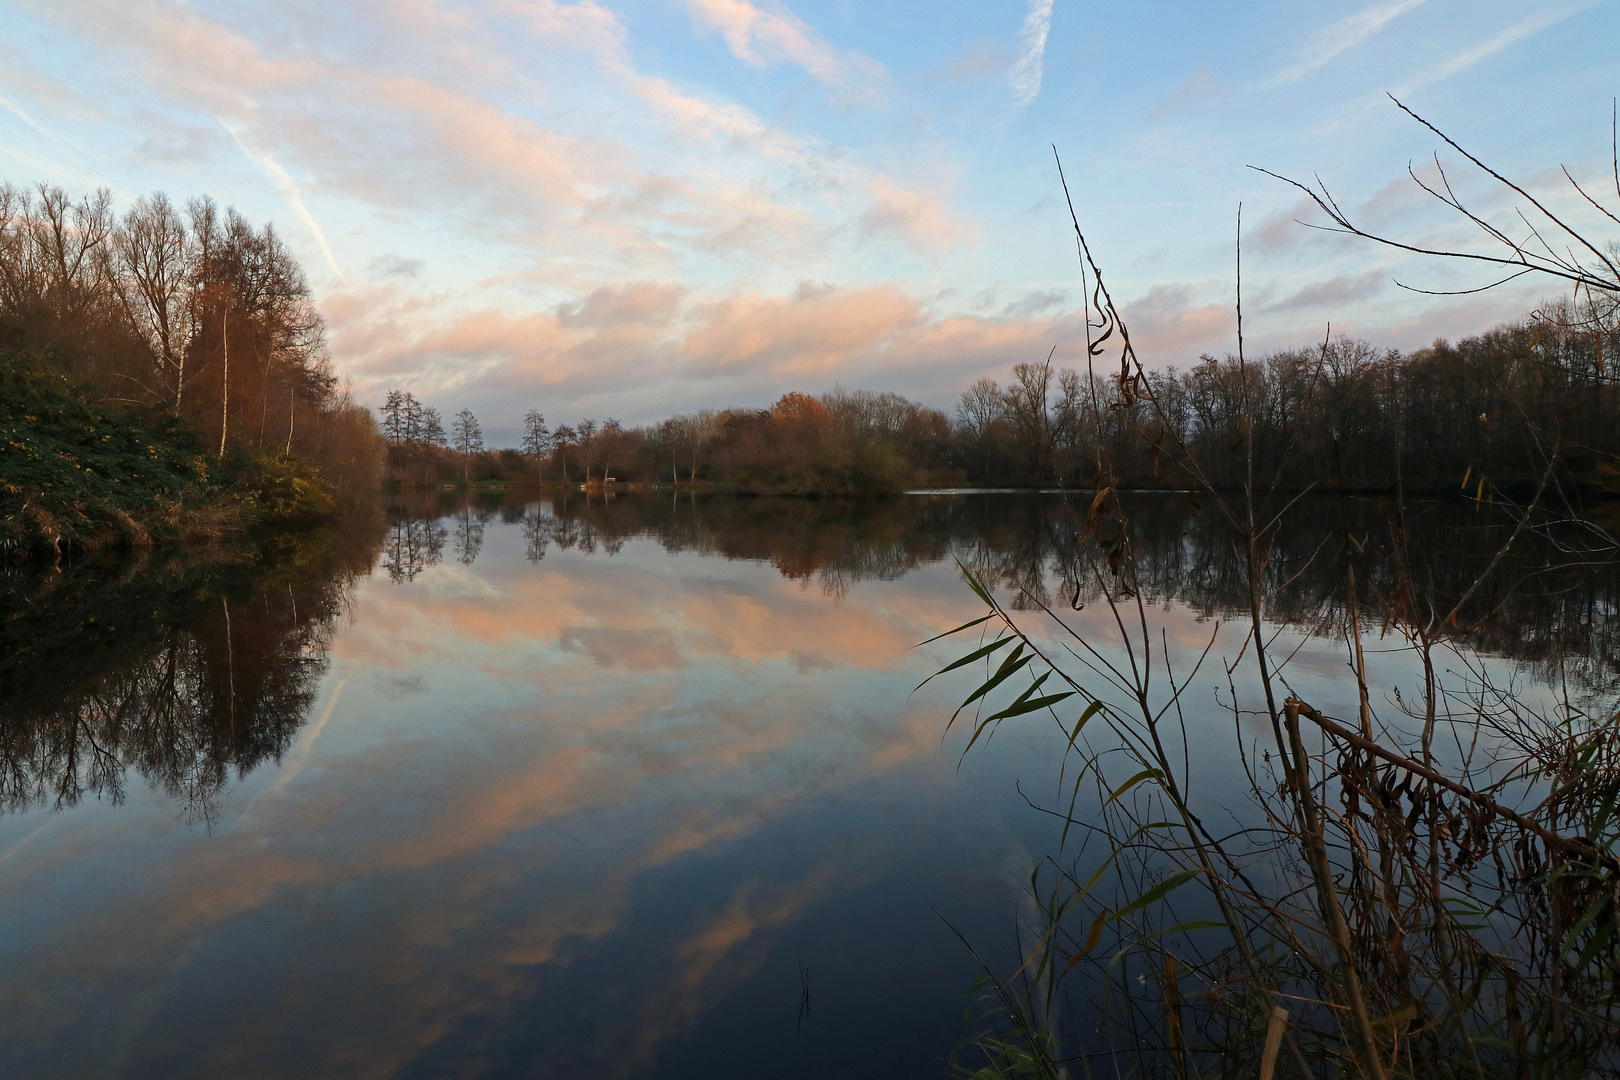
x=225 y=382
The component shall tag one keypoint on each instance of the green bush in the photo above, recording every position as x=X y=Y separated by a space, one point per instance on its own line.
x=71 y=470
x=75 y=474
x=284 y=487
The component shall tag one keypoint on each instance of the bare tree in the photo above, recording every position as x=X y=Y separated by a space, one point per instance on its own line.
x=585 y=435
x=980 y=408
x=73 y=238
x=692 y=432
x=394 y=416
x=613 y=441
x=153 y=250
x=467 y=438
x=561 y=440
x=537 y=438
x=1027 y=406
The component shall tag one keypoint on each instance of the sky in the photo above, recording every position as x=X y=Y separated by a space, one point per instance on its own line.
x=636 y=208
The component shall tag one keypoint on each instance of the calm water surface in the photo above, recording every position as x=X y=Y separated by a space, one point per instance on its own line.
x=624 y=789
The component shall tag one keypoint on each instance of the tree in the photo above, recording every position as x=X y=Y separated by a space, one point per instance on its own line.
x=978 y=411
x=468 y=439
x=154 y=252
x=694 y=431
x=1026 y=403
x=187 y=310
x=669 y=442
x=537 y=439
x=394 y=411
x=424 y=429
x=429 y=427
x=585 y=435
x=561 y=440
x=1067 y=422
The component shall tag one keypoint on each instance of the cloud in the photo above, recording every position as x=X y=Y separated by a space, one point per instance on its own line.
x=921 y=217
x=1399 y=202
x=1281 y=232
x=757 y=35
x=397 y=266
x=1467 y=58
x=1034 y=303
x=981 y=60
x=1199 y=85
x=636 y=303
x=1026 y=71
x=1166 y=324
x=1332 y=294
x=645 y=350
x=631 y=348
x=179 y=146
x=716 y=179
x=1327 y=43
x=815 y=331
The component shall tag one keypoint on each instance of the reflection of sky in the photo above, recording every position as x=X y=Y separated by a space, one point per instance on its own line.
x=583 y=817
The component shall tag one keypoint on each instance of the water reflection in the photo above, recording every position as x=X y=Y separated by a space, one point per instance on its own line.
x=202 y=667
x=187 y=672
x=413 y=544
x=1549 y=602
x=572 y=787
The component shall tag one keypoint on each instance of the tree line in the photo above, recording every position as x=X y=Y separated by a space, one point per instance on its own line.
x=842 y=442
x=1489 y=411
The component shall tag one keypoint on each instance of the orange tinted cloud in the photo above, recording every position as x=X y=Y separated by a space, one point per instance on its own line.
x=631 y=344
x=815 y=331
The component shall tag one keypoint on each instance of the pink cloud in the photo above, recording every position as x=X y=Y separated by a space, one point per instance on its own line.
x=757 y=34
x=1166 y=323
x=440 y=139
x=635 y=303
x=631 y=347
x=815 y=331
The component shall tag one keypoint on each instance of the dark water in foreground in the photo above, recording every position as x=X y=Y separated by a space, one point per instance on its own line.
x=634 y=789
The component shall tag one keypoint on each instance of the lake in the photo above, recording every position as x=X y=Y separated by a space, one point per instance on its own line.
x=565 y=786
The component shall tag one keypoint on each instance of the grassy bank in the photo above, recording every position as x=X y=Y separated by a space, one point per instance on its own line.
x=77 y=475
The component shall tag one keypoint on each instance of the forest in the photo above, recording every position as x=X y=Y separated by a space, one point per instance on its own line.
x=163 y=373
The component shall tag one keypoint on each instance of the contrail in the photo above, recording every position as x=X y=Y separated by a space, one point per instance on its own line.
x=288 y=188
x=16 y=110
x=1332 y=40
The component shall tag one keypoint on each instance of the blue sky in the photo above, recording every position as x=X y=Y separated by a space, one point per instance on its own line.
x=634 y=208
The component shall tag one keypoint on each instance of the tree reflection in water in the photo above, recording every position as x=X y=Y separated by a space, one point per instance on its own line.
x=412 y=545
x=203 y=667
x=1550 y=604
x=189 y=672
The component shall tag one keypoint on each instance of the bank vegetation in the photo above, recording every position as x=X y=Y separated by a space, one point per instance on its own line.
x=163 y=373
